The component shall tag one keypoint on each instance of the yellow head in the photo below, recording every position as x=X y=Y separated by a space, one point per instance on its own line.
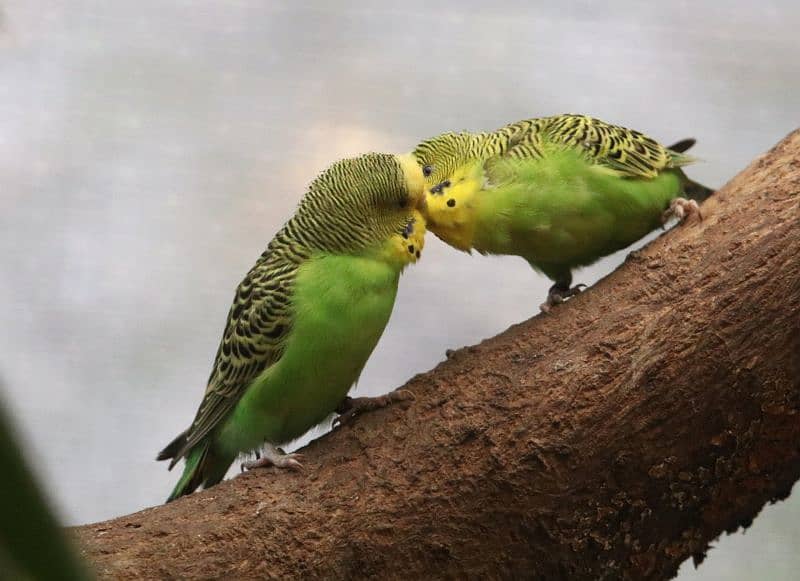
x=450 y=206
x=405 y=245
x=452 y=164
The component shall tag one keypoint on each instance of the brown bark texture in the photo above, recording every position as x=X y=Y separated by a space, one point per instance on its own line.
x=610 y=439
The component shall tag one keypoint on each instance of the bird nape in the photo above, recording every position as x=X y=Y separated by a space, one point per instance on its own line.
x=561 y=192
x=306 y=317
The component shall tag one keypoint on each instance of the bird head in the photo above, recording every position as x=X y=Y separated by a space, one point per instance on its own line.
x=362 y=201
x=452 y=166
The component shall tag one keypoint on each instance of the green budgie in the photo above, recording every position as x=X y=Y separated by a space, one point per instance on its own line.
x=561 y=192
x=306 y=318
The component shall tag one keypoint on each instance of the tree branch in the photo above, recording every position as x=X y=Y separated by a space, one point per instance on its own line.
x=613 y=438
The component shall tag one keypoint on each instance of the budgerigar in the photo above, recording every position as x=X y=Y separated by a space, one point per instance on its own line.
x=561 y=191
x=306 y=317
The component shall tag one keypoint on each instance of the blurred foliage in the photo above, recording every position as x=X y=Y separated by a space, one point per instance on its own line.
x=32 y=543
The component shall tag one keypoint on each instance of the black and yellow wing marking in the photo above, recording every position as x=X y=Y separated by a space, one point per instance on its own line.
x=254 y=339
x=626 y=151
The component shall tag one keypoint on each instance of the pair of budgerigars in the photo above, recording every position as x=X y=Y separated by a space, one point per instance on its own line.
x=561 y=192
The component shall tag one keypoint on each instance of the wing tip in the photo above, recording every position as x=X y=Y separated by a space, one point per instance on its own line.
x=174 y=450
x=683 y=145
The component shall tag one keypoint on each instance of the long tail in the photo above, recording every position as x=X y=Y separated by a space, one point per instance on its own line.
x=203 y=466
x=691 y=188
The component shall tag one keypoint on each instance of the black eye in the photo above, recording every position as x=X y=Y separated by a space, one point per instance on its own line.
x=427 y=170
x=403 y=202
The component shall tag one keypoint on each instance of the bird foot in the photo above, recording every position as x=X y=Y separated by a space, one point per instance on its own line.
x=682 y=209
x=353 y=406
x=557 y=296
x=273 y=456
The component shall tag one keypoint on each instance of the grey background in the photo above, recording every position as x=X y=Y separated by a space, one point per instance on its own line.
x=149 y=150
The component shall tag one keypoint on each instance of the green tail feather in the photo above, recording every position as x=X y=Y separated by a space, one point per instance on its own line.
x=203 y=466
x=192 y=475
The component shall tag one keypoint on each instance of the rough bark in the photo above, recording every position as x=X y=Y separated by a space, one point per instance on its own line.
x=612 y=438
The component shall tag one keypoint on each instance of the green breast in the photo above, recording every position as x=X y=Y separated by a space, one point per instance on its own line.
x=562 y=210
x=341 y=306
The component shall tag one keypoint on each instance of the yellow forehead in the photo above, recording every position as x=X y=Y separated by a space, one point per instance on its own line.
x=415 y=181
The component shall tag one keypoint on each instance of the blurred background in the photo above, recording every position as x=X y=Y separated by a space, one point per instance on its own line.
x=149 y=150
